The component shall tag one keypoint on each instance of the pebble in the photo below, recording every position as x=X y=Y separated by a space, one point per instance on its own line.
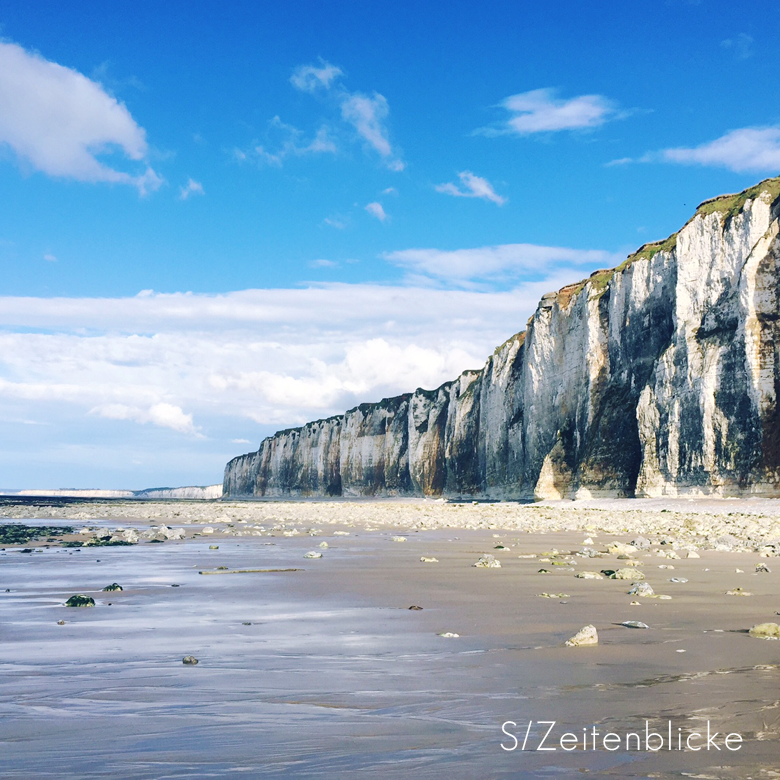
x=449 y=635
x=323 y=545
x=60 y=622
x=762 y=568
x=738 y=592
x=313 y=554
x=641 y=589
x=588 y=575
x=415 y=608
x=213 y=547
x=634 y=624
x=189 y=660
x=553 y=595
x=397 y=538
x=429 y=560
x=113 y=587
x=587 y=635
x=681 y=580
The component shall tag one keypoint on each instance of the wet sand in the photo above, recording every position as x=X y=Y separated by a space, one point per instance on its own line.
x=335 y=677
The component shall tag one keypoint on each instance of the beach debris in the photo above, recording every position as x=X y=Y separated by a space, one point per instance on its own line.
x=765 y=631
x=587 y=635
x=415 y=608
x=738 y=592
x=680 y=580
x=634 y=624
x=762 y=568
x=189 y=660
x=553 y=595
x=397 y=538
x=641 y=589
x=487 y=561
x=589 y=575
x=449 y=635
x=80 y=600
x=114 y=586
x=60 y=622
x=225 y=570
x=429 y=560
x=313 y=554
x=323 y=545
x=626 y=574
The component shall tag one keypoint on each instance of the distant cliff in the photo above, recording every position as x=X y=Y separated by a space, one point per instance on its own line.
x=659 y=377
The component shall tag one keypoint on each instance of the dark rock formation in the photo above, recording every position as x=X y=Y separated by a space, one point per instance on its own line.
x=659 y=377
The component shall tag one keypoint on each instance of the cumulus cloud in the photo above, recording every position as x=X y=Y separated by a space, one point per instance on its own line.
x=747 y=150
x=192 y=187
x=162 y=414
x=471 y=186
x=310 y=78
x=496 y=262
x=375 y=210
x=366 y=114
x=59 y=122
x=540 y=111
x=287 y=141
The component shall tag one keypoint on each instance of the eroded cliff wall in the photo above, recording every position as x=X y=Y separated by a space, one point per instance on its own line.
x=659 y=377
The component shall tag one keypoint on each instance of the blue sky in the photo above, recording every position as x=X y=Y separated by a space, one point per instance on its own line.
x=219 y=220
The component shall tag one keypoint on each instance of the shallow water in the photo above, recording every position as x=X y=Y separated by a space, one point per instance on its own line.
x=335 y=677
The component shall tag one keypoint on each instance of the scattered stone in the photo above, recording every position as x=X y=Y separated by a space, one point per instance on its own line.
x=60 y=622
x=213 y=547
x=640 y=543
x=207 y=529
x=429 y=560
x=114 y=586
x=692 y=554
x=588 y=575
x=635 y=604
x=634 y=624
x=397 y=538
x=346 y=533
x=415 y=608
x=527 y=555
x=627 y=574
x=189 y=660
x=487 y=562
x=323 y=545
x=680 y=580
x=543 y=571
x=765 y=631
x=80 y=600
x=449 y=635
x=641 y=589
x=618 y=548
x=587 y=541
x=246 y=623
x=585 y=636
x=670 y=554
x=313 y=554
x=738 y=592
x=500 y=547
x=665 y=566
x=762 y=568
x=553 y=595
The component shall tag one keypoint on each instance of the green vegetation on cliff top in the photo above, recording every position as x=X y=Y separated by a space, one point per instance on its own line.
x=728 y=206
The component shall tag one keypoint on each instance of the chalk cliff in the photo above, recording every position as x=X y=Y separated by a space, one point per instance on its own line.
x=659 y=377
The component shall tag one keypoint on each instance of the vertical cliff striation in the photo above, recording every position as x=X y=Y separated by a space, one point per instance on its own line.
x=659 y=377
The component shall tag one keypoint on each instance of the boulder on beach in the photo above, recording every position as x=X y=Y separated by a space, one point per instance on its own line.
x=487 y=562
x=189 y=660
x=80 y=600
x=587 y=635
x=627 y=574
x=765 y=631
x=114 y=586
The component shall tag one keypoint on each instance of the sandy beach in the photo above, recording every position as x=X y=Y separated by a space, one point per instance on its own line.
x=322 y=670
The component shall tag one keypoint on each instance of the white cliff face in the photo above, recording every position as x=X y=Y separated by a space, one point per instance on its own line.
x=657 y=378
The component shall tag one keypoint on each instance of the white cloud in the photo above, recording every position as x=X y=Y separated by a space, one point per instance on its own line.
x=240 y=441
x=375 y=210
x=367 y=115
x=747 y=150
x=287 y=141
x=309 y=78
x=50 y=258
x=337 y=222
x=501 y=261
x=390 y=191
x=472 y=187
x=540 y=111
x=162 y=414
x=59 y=122
x=322 y=263
x=741 y=45
x=192 y=187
